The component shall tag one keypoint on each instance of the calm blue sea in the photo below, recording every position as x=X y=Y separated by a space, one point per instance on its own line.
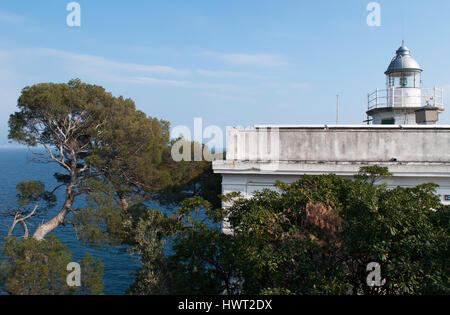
x=15 y=166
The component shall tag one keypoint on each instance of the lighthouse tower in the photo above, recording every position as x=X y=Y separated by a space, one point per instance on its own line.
x=404 y=101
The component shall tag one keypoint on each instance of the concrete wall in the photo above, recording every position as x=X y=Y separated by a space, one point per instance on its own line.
x=341 y=144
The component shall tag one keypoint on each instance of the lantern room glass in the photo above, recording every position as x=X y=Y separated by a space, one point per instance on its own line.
x=404 y=80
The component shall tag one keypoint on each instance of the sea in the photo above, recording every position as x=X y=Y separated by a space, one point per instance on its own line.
x=16 y=165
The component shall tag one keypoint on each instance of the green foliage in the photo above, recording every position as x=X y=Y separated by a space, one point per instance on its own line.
x=112 y=154
x=45 y=107
x=204 y=263
x=405 y=231
x=373 y=173
x=104 y=221
x=197 y=251
x=150 y=232
x=33 y=192
x=101 y=221
x=315 y=236
x=133 y=153
x=280 y=248
x=33 y=267
x=91 y=276
x=191 y=178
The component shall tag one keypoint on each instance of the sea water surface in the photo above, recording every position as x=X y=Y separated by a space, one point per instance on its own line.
x=16 y=166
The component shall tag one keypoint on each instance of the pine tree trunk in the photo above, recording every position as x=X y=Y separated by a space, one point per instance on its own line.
x=26 y=233
x=44 y=229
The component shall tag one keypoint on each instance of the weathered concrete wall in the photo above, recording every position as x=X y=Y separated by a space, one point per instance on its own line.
x=341 y=144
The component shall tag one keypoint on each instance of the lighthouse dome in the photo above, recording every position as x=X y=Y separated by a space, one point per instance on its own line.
x=403 y=62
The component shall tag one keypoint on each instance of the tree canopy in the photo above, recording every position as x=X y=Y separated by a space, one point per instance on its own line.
x=111 y=154
x=103 y=145
x=31 y=267
x=315 y=236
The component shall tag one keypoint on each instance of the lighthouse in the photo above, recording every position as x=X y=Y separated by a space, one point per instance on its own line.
x=404 y=101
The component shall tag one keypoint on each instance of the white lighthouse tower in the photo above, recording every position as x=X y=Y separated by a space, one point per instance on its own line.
x=404 y=101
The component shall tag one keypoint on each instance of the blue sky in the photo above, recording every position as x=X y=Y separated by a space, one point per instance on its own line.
x=234 y=62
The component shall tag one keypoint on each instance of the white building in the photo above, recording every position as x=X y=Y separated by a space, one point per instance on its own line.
x=403 y=136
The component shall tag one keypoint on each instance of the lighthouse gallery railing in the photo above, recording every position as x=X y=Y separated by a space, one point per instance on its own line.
x=400 y=97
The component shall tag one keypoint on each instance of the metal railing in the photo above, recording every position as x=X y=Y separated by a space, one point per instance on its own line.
x=404 y=97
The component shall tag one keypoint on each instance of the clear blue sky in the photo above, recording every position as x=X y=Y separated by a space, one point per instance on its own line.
x=234 y=62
